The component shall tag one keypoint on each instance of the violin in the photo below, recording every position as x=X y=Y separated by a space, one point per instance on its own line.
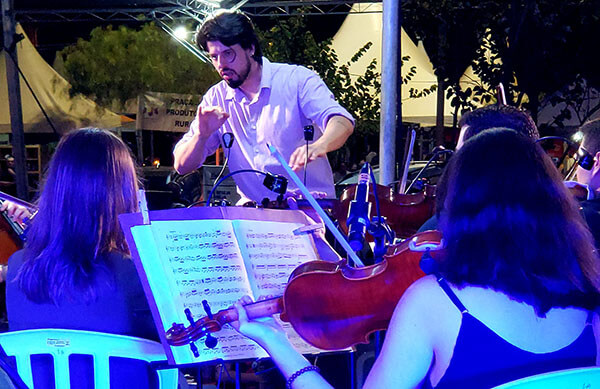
x=12 y=233
x=311 y=301
x=405 y=213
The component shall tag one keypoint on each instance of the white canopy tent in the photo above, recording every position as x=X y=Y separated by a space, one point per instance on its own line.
x=361 y=28
x=52 y=90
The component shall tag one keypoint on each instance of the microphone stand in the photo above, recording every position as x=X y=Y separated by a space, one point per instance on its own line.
x=381 y=232
x=433 y=157
x=309 y=134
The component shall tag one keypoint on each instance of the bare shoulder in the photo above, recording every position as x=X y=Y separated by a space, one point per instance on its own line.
x=425 y=290
x=413 y=338
x=425 y=301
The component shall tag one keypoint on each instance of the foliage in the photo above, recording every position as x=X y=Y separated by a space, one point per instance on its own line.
x=544 y=47
x=118 y=64
x=290 y=41
x=448 y=30
x=541 y=50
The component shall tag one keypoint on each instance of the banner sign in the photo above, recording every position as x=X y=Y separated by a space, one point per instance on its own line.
x=166 y=111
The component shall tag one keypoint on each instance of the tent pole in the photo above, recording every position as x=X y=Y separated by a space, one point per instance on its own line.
x=14 y=98
x=391 y=107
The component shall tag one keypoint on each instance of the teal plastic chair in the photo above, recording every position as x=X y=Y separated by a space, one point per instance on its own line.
x=60 y=344
x=581 y=378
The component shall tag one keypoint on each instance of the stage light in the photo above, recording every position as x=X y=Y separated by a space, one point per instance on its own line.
x=181 y=32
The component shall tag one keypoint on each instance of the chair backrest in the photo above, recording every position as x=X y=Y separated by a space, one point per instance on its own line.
x=581 y=378
x=60 y=344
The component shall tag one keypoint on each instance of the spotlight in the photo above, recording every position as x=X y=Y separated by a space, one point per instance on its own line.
x=181 y=32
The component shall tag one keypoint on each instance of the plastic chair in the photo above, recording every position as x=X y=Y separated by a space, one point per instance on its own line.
x=586 y=377
x=60 y=344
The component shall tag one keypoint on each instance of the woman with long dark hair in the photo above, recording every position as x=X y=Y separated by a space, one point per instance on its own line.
x=516 y=291
x=75 y=271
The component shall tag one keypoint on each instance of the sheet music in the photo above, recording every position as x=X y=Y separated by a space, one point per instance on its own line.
x=205 y=263
x=218 y=260
x=271 y=252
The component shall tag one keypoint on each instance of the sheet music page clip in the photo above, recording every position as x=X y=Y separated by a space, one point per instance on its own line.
x=143 y=206
x=307 y=229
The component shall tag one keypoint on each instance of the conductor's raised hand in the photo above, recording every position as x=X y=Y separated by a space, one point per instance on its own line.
x=210 y=119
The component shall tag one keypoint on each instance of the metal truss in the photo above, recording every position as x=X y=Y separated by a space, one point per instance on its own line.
x=310 y=7
x=194 y=9
x=111 y=15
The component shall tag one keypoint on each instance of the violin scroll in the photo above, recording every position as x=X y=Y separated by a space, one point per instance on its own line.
x=180 y=335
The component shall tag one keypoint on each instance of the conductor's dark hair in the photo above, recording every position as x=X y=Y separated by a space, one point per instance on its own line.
x=510 y=225
x=229 y=28
x=498 y=116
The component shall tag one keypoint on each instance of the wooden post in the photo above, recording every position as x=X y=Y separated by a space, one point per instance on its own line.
x=14 y=97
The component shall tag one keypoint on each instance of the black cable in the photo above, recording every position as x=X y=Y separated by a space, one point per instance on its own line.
x=226 y=177
x=433 y=157
x=224 y=165
x=32 y=92
x=196 y=203
x=227 y=143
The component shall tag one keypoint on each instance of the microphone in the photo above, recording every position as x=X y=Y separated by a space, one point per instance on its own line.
x=358 y=212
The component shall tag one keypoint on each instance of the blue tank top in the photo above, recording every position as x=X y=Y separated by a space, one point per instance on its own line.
x=482 y=359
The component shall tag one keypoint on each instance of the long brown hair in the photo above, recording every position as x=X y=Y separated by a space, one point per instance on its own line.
x=511 y=225
x=90 y=181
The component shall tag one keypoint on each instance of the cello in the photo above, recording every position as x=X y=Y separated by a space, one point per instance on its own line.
x=318 y=314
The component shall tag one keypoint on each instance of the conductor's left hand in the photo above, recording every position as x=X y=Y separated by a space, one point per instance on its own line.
x=298 y=157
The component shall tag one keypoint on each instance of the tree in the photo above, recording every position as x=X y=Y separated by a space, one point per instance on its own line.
x=449 y=32
x=116 y=65
x=541 y=52
x=289 y=40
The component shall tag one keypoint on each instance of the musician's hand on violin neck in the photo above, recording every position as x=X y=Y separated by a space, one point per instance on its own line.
x=14 y=211
x=261 y=330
